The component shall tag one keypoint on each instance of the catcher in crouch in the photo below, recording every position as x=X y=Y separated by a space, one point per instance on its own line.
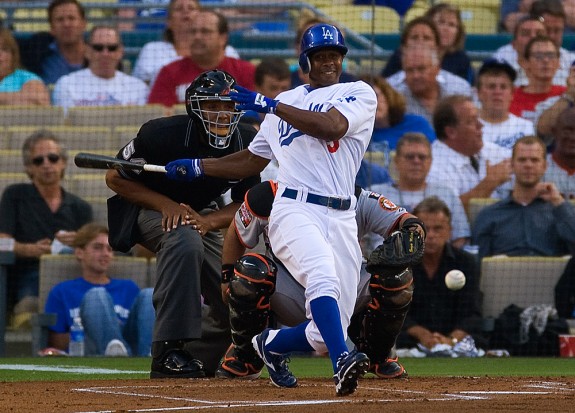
x=255 y=285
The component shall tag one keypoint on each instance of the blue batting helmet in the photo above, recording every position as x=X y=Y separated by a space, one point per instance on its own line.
x=319 y=36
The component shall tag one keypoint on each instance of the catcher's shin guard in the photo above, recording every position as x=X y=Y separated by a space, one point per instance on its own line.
x=390 y=300
x=251 y=287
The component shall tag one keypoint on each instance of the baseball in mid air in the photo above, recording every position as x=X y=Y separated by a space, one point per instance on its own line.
x=455 y=280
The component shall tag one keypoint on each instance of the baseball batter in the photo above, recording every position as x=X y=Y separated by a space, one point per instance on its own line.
x=318 y=133
x=249 y=311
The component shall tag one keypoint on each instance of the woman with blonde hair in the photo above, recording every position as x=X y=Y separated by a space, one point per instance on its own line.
x=18 y=86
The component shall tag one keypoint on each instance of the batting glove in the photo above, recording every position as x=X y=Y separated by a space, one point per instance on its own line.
x=185 y=169
x=248 y=100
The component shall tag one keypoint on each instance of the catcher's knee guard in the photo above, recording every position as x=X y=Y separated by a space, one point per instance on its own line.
x=251 y=287
x=391 y=296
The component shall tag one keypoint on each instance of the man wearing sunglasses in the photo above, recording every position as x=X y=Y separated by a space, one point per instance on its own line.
x=40 y=216
x=101 y=83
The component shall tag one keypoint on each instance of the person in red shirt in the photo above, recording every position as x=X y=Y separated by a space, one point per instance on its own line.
x=541 y=61
x=210 y=36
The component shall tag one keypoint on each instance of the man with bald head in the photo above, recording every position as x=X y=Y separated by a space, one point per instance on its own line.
x=423 y=83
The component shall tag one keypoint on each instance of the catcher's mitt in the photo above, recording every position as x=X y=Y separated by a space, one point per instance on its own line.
x=401 y=249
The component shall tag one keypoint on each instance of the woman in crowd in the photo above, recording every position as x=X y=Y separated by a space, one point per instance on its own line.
x=18 y=86
x=176 y=44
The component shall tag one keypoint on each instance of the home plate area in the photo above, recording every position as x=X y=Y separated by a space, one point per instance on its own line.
x=442 y=394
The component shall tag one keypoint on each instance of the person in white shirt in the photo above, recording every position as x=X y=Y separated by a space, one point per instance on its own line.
x=422 y=84
x=412 y=161
x=176 y=44
x=476 y=169
x=495 y=91
x=101 y=83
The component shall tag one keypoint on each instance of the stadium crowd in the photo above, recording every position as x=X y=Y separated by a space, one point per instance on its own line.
x=502 y=129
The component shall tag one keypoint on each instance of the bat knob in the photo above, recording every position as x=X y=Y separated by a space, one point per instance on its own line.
x=182 y=171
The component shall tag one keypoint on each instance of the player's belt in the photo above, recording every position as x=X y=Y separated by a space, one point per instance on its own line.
x=327 y=201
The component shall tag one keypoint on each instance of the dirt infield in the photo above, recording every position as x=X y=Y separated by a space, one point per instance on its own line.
x=442 y=394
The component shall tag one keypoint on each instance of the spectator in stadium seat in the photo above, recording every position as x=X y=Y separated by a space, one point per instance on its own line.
x=423 y=31
x=412 y=162
x=62 y=50
x=297 y=76
x=512 y=11
x=177 y=42
x=391 y=122
x=540 y=64
x=17 y=86
x=438 y=315
x=101 y=84
x=554 y=19
x=117 y=316
x=495 y=91
x=461 y=159
x=561 y=161
x=422 y=85
x=40 y=216
x=547 y=111
x=526 y=29
x=210 y=36
x=534 y=219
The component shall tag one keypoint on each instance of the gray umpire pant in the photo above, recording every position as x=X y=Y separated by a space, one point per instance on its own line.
x=188 y=268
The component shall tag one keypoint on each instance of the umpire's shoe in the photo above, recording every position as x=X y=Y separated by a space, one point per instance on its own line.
x=280 y=375
x=350 y=367
x=177 y=363
x=233 y=366
x=389 y=369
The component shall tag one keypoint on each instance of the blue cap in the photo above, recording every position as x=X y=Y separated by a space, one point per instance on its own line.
x=502 y=64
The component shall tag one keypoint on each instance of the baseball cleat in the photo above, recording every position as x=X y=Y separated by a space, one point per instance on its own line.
x=231 y=367
x=350 y=367
x=389 y=369
x=177 y=363
x=280 y=375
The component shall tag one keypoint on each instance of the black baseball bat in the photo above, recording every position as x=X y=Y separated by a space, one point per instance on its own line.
x=95 y=161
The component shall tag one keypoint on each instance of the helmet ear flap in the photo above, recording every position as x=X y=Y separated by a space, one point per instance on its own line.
x=304 y=63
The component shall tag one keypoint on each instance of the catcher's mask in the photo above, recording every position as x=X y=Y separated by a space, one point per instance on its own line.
x=207 y=99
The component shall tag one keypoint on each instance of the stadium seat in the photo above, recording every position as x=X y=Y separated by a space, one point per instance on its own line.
x=475 y=206
x=479 y=16
x=31 y=115
x=113 y=115
x=85 y=138
x=90 y=185
x=11 y=161
x=124 y=134
x=523 y=281
x=3 y=138
x=359 y=18
x=31 y=20
x=58 y=268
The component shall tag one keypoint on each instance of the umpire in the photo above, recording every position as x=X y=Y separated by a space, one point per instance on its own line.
x=180 y=221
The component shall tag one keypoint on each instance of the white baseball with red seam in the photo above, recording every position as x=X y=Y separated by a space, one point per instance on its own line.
x=455 y=280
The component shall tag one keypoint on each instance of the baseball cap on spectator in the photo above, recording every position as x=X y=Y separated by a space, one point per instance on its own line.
x=501 y=64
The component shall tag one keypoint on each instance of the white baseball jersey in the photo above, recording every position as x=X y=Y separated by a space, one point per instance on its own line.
x=317 y=244
x=327 y=168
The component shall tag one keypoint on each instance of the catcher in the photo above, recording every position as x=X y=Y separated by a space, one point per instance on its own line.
x=256 y=286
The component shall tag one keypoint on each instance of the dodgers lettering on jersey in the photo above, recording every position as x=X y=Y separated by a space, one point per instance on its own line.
x=315 y=164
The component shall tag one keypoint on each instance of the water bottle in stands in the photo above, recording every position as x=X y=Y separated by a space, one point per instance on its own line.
x=76 y=346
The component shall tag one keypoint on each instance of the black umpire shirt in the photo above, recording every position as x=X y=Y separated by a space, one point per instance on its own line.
x=163 y=140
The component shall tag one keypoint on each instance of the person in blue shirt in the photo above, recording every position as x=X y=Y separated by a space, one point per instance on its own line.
x=391 y=123
x=17 y=86
x=117 y=316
